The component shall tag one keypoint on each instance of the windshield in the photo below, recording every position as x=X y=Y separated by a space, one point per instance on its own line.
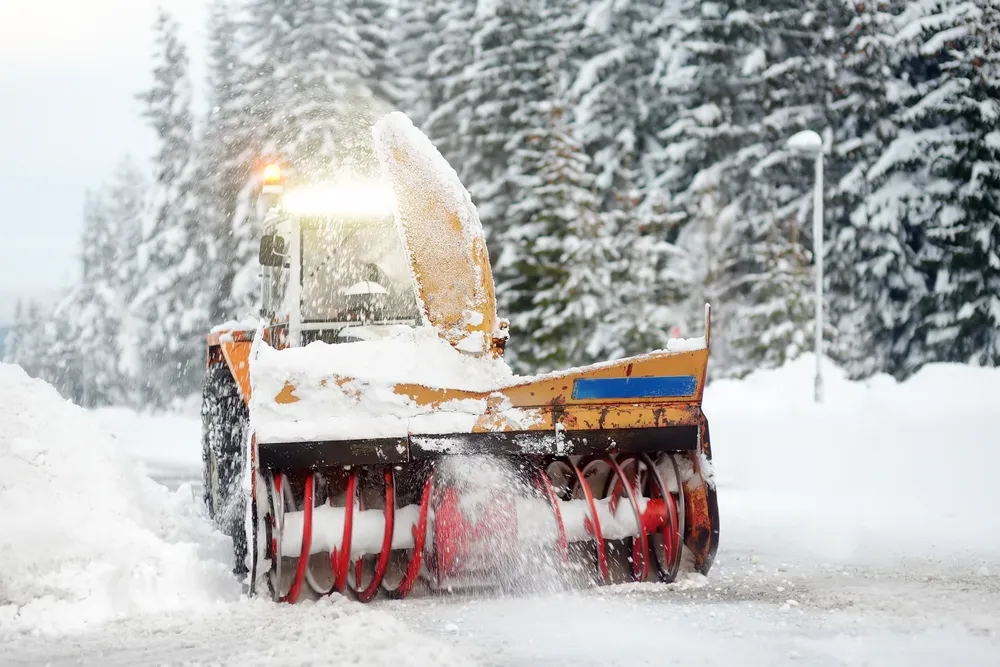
x=354 y=270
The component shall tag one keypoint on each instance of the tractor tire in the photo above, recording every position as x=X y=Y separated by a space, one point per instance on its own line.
x=225 y=420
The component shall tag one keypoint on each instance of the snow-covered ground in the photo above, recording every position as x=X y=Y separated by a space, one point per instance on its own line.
x=85 y=536
x=862 y=531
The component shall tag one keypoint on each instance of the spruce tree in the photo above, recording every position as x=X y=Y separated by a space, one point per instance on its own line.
x=226 y=164
x=620 y=110
x=374 y=21
x=962 y=310
x=761 y=76
x=63 y=363
x=18 y=337
x=413 y=39
x=123 y=202
x=871 y=280
x=97 y=307
x=173 y=303
x=913 y=233
x=449 y=111
x=563 y=277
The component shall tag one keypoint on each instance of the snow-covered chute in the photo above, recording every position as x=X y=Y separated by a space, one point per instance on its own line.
x=368 y=436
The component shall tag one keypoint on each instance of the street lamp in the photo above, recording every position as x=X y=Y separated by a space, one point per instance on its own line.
x=810 y=144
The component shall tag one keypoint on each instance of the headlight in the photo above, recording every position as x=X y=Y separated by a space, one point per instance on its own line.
x=353 y=199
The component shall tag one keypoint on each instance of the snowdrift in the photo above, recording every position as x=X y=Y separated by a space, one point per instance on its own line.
x=84 y=536
x=881 y=470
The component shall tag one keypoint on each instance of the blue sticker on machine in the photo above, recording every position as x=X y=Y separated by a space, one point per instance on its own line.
x=666 y=386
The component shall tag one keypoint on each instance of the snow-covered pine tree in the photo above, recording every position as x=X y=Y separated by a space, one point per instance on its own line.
x=612 y=90
x=374 y=21
x=229 y=151
x=553 y=270
x=872 y=283
x=41 y=343
x=508 y=75
x=18 y=348
x=413 y=39
x=561 y=278
x=620 y=109
x=265 y=44
x=62 y=363
x=510 y=89
x=173 y=304
x=955 y=116
x=651 y=278
x=448 y=110
x=909 y=262
x=16 y=334
x=124 y=200
x=95 y=307
x=761 y=75
x=323 y=106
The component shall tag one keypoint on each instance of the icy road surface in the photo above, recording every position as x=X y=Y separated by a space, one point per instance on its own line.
x=861 y=532
x=751 y=614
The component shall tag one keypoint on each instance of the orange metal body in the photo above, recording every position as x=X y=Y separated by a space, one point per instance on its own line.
x=233 y=348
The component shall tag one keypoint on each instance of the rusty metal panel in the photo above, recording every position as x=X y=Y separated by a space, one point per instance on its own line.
x=442 y=235
x=237 y=356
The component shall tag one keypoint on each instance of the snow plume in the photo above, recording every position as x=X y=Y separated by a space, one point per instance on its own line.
x=519 y=550
x=84 y=536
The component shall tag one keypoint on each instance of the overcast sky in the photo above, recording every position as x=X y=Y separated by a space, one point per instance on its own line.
x=68 y=114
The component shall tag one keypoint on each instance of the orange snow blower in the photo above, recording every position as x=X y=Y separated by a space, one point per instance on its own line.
x=367 y=437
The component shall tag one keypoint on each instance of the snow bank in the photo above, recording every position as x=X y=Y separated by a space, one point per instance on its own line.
x=880 y=470
x=84 y=536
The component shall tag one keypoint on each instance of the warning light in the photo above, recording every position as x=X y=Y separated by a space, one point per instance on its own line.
x=272 y=174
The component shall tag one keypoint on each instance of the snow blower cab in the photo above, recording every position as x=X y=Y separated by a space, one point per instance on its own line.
x=332 y=266
x=367 y=436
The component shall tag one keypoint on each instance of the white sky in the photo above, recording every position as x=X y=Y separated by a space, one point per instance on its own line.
x=70 y=71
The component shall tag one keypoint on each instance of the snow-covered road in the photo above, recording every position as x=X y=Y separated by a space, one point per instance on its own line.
x=822 y=617
x=862 y=532
x=750 y=614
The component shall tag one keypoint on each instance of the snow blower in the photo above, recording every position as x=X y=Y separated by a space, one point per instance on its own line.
x=366 y=437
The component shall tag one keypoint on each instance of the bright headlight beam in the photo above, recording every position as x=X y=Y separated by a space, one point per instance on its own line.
x=354 y=199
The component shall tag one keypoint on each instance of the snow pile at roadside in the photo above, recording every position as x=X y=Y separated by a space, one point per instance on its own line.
x=346 y=390
x=84 y=536
x=879 y=470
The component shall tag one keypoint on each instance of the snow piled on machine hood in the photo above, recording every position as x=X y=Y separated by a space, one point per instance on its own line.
x=84 y=536
x=346 y=391
x=414 y=355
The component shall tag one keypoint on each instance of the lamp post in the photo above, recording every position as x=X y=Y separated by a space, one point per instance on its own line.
x=810 y=144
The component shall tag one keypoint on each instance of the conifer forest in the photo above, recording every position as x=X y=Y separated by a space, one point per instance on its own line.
x=628 y=159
